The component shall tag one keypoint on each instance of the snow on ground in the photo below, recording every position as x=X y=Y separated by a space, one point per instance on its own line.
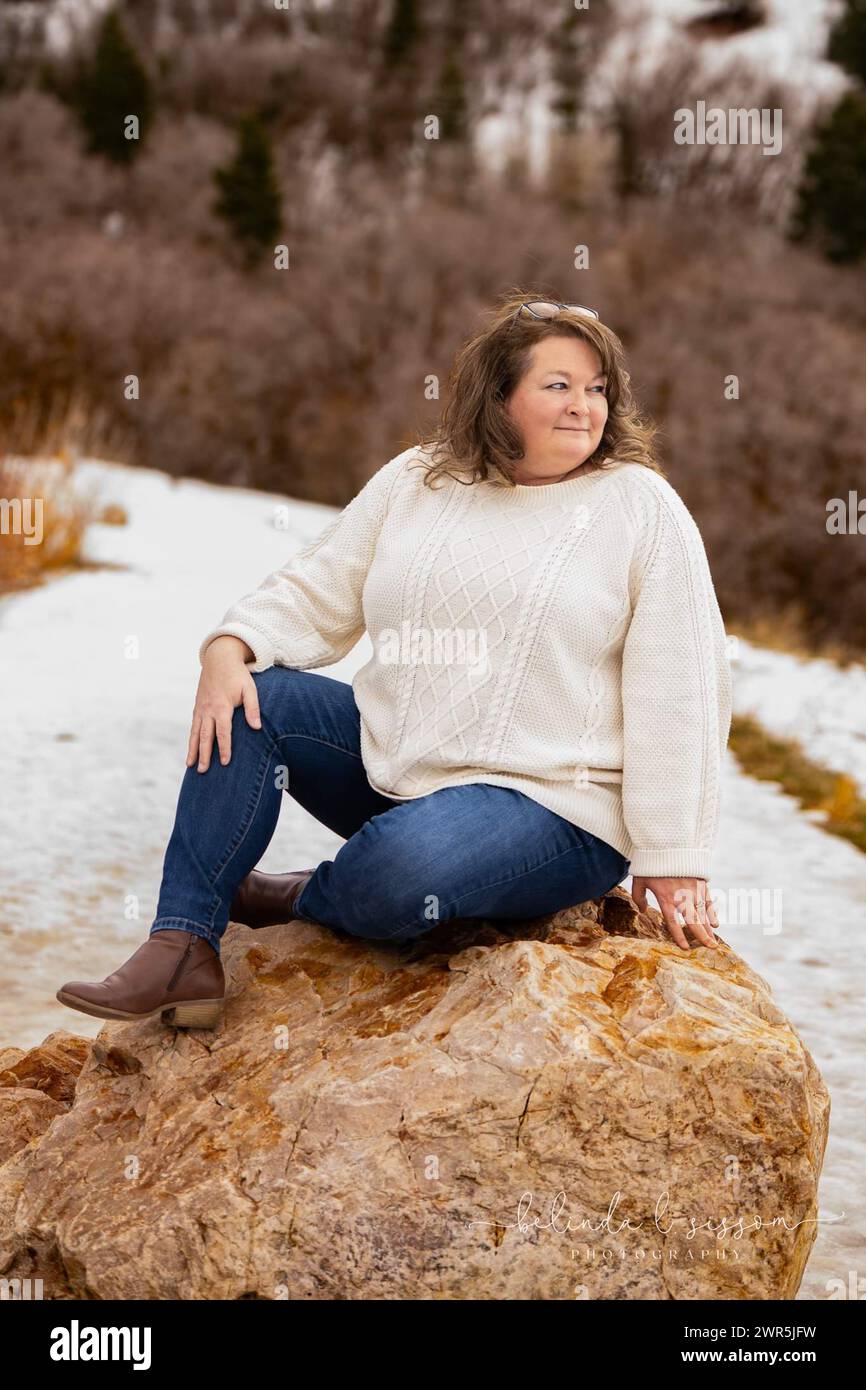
x=101 y=738
x=97 y=754
x=808 y=952
x=790 y=45
x=812 y=700
x=788 y=48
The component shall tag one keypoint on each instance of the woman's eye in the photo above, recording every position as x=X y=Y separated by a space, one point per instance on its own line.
x=602 y=389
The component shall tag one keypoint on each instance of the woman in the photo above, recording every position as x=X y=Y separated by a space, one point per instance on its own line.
x=547 y=705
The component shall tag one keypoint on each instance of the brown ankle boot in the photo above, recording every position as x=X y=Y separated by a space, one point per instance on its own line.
x=264 y=900
x=174 y=973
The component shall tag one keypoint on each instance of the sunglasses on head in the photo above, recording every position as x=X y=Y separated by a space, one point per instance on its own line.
x=549 y=308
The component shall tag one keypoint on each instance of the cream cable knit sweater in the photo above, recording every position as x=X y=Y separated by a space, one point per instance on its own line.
x=563 y=639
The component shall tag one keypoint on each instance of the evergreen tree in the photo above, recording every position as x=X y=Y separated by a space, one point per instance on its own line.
x=567 y=74
x=402 y=32
x=577 y=42
x=831 y=205
x=450 y=100
x=847 y=42
x=111 y=87
x=249 y=199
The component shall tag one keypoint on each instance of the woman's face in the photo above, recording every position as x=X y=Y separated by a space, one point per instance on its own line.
x=560 y=408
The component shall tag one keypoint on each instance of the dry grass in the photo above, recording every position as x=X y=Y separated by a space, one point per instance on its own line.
x=782 y=760
x=44 y=524
x=45 y=509
x=787 y=631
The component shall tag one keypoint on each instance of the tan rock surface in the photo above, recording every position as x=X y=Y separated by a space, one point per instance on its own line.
x=362 y=1106
x=52 y=1067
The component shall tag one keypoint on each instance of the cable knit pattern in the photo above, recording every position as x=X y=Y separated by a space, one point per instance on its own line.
x=564 y=640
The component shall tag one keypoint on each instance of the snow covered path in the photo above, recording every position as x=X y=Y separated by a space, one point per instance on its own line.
x=811 y=700
x=94 y=755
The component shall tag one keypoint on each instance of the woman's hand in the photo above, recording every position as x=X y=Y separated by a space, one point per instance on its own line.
x=691 y=896
x=225 y=683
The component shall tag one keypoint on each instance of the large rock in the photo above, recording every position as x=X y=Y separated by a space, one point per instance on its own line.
x=564 y=1108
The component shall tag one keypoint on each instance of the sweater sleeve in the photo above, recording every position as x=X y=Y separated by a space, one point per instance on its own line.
x=676 y=695
x=309 y=613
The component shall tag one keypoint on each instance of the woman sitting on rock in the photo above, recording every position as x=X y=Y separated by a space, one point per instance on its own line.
x=545 y=710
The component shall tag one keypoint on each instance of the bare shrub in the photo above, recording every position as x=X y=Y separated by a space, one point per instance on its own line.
x=116 y=295
x=45 y=509
x=638 y=107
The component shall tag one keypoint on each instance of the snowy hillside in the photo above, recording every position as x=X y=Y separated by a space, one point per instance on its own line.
x=789 y=46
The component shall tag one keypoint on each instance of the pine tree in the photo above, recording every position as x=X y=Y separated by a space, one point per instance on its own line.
x=576 y=43
x=109 y=89
x=847 y=42
x=451 y=97
x=566 y=68
x=249 y=197
x=831 y=206
x=402 y=32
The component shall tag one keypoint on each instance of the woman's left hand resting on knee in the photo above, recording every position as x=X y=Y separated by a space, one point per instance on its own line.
x=225 y=682
x=691 y=896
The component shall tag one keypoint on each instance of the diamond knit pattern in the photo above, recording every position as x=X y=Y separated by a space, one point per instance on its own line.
x=480 y=581
x=564 y=640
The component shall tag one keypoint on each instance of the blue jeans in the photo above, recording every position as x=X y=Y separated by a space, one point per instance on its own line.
x=476 y=850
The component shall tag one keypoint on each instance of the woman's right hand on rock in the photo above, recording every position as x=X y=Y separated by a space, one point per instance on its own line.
x=225 y=682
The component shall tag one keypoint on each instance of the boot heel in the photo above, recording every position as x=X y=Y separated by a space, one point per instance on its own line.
x=199 y=1013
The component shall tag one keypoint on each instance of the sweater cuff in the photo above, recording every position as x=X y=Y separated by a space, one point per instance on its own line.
x=670 y=863
x=262 y=649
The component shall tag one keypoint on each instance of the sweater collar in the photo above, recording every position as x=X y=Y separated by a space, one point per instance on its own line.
x=531 y=494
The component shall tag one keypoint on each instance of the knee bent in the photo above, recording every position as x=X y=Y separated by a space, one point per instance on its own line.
x=391 y=912
x=272 y=687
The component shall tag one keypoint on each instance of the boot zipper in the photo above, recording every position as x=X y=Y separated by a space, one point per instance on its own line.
x=179 y=967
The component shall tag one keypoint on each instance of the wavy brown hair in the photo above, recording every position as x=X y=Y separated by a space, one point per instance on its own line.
x=475 y=429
